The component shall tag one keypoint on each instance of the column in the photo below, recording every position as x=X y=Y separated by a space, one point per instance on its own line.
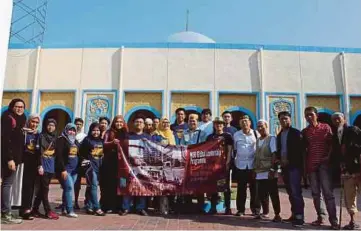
x=262 y=99
x=120 y=86
x=346 y=98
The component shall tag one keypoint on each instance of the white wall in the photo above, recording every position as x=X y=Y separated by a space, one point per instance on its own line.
x=353 y=72
x=321 y=72
x=145 y=69
x=20 y=69
x=60 y=68
x=237 y=70
x=281 y=71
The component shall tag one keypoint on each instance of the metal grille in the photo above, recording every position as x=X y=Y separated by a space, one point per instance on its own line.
x=28 y=22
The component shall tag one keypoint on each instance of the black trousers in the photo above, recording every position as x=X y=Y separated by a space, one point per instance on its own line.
x=226 y=193
x=42 y=191
x=109 y=199
x=8 y=177
x=29 y=177
x=244 y=177
x=266 y=188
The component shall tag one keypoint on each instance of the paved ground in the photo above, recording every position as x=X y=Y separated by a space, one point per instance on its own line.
x=172 y=222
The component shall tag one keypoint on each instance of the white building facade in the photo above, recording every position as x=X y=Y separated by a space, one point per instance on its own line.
x=155 y=79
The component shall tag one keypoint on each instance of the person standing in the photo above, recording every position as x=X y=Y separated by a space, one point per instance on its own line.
x=206 y=125
x=265 y=169
x=318 y=142
x=156 y=122
x=80 y=135
x=12 y=149
x=113 y=140
x=46 y=170
x=244 y=149
x=290 y=153
x=219 y=133
x=227 y=117
x=140 y=204
x=347 y=145
x=149 y=129
x=180 y=125
x=31 y=163
x=103 y=125
x=67 y=151
x=91 y=150
x=193 y=135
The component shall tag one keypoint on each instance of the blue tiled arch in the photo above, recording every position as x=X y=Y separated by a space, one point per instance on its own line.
x=26 y=112
x=54 y=107
x=325 y=110
x=245 y=110
x=137 y=108
x=194 y=108
x=354 y=116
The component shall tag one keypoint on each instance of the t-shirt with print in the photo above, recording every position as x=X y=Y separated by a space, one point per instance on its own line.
x=228 y=140
x=231 y=130
x=92 y=149
x=273 y=148
x=72 y=158
x=31 y=143
x=178 y=130
x=135 y=136
x=48 y=158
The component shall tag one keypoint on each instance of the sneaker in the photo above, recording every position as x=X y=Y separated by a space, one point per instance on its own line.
x=318 y=222
x=52 y=215
x=10 y=219
x=351 y=226
x=142 y=212
x=36 y=213
x=297 y=223
x=228 y=212
x=64 y=212
x=239 y=214
x=89 y=211
x=99 y=212
x=123 y=213
x=277 y=218
x=265 y=215
x=27 y=215
x=291 y=219
x=72 y=215
x=257 y=217
x=335 y=226
x=76 y=206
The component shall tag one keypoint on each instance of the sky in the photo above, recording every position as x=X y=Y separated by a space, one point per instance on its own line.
x=334 y=23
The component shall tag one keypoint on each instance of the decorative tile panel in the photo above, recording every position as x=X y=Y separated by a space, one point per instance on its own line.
x=355 y=104
x=329 y=102
x=48 y=99
x=189 y=99
x=237 y=100
x=96 y=106
x=8 y=96
x=278 y=103
x=134 y=99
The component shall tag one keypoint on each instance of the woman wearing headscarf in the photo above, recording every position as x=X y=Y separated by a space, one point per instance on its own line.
x=91 y=150
x=113 y=138
x=46 y=169
x=31 y=163
x=12 y=149
x=66 y=151
x=166 y=203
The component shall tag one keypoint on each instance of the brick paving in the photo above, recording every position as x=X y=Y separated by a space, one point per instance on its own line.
x=171 y=222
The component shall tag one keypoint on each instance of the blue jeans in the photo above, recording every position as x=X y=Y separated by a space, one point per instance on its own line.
x=292 y=178
x=140 y=202
x=92 y=189
x=68 y=191
x=321 y=180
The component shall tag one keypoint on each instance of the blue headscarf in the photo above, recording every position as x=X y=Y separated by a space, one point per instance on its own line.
x=70 y=139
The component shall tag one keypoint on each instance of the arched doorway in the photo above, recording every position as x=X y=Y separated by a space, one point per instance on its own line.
x=60 y=116
x=237 y=113
x=189 y=112
x=357 y=121
x=325 y=117
x=144 y=112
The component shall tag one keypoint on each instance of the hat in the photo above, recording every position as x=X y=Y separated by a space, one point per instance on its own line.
x=148 y=121
x=218 y=120
x=245 y=117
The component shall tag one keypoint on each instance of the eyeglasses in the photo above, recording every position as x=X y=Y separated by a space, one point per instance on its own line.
x=166 y=122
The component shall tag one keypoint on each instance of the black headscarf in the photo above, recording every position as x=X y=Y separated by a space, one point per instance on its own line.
x=20 y=119
x=46 y=137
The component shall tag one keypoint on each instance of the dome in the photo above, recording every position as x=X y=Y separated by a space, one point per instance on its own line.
x=189 y=37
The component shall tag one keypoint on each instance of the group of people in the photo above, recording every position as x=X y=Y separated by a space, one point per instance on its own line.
x=255 y=160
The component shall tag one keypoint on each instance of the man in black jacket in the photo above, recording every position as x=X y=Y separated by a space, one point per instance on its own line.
x=347 y=145
x=290 y=155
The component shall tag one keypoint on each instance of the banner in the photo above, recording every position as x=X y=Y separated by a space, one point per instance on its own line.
x=151 y=169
